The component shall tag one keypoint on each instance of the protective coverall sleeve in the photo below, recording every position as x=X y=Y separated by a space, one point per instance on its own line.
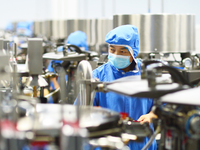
x=96 y=100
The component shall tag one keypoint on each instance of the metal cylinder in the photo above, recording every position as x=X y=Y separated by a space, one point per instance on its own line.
x=103 y=27
x=84 y=74
x=162 y=32
x=36 y=29
x=55 y=29
x=71 y=26
x=82 y=25
x=47 y=28
x=62 y=28
x=93 y=31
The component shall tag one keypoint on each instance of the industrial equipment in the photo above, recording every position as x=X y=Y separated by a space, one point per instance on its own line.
x=169 y=74
x=179 y=119
x=70 y=57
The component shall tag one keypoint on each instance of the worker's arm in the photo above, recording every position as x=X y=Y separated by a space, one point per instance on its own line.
x=147 y=118
x=55 y=83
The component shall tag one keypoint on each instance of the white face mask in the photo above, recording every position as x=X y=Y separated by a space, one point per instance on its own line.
x=119 y=61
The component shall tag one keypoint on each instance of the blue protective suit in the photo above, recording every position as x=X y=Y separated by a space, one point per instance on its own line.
x=135 y=107
x=51 y=69
x=25 y=28
x=127 y=36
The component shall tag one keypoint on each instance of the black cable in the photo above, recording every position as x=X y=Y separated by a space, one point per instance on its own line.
x=151 y=139
x=176 y=75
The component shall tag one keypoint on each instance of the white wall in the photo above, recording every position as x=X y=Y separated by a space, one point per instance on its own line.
x=93 y=8
x=21 y=10
x=15 y=10
x=64 y=9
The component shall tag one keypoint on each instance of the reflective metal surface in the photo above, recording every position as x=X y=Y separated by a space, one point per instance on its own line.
x=162 y=32
x=103 y=27
x=37 y=28
x=186 y=97
x=71 y=26
x=47 y=28
x=55 y=29
x=95 y=29
x=84 y=72
x=62 y=28
x=90 y=117
x=140 y=88
x=59 y=56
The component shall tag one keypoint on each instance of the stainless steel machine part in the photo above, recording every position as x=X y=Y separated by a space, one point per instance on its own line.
x=5 y=75
x=55 y=29
x=186 y=97
x=1 y=44
x=35 y=52
x=36 y=29
x=63 y=88
x=95 y=29
x=62 y=28
x=84 y=72
x=15 y=75
x=46 y=27
x=162 y=32
x=59 y=56
x=5 y=43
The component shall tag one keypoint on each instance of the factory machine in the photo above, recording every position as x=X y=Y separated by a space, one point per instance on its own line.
x=70 y=56
x=166 y=37
x=30 y=124
x=169 y=75
x=58 y=30
x=54 y=126
x=178 y=113
x=26 y=123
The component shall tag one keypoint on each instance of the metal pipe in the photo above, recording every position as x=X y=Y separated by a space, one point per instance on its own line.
x=63 y=87
x=163 y=32
x=15 y=50
x=8 y=48
x=151 y=139
x=1 y=44
x=14 y=65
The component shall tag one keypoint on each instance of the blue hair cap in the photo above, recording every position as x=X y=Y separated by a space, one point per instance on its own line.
x=125 y=35
x=78 y=38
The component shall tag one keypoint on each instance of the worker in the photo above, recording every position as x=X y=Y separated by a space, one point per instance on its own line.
x=78 y=38
x=51 y=66
x=123 y=48
x=25 y=28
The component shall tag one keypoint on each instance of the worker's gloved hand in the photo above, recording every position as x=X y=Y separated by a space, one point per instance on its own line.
x=147 y=118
